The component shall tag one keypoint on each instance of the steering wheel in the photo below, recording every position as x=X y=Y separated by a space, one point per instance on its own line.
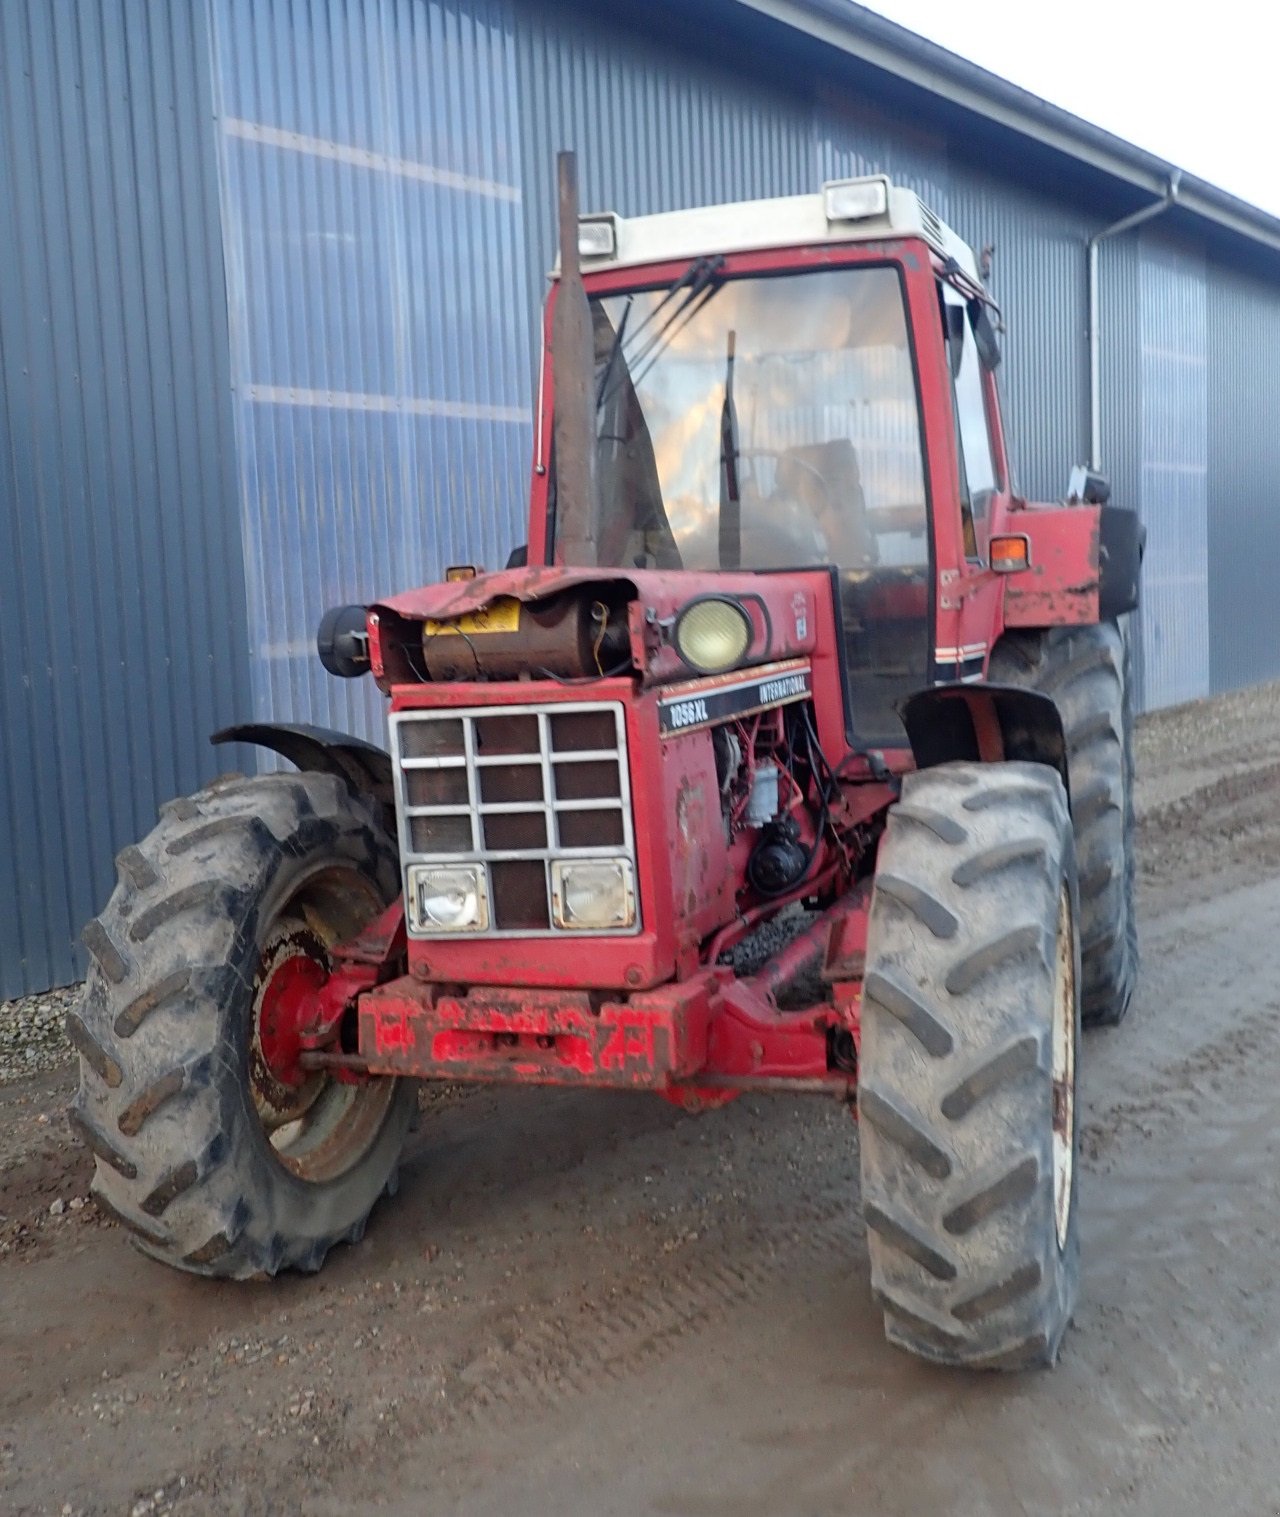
x=779 y=455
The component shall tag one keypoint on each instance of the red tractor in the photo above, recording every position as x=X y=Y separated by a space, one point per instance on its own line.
x=793 y=753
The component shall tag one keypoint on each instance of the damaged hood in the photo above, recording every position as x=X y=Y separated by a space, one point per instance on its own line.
x=459 y=597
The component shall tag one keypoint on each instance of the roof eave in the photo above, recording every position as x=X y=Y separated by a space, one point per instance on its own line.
x=852 y=29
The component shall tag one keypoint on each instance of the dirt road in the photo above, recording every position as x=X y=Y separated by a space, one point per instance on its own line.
x=585 y=1304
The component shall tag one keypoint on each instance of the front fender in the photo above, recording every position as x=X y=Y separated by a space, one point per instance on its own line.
x=363 y=766
x=987 y=723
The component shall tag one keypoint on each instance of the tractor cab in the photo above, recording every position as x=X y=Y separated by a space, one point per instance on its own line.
x=761 y=376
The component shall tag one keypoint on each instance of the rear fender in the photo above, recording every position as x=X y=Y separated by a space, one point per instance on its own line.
x=986 y=723
x=364 y=767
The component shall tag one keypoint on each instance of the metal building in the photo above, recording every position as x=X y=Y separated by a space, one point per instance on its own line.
x=272 y=270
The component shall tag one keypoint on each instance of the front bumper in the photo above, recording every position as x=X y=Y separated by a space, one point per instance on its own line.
x=686 y=1039
x=553 y=1037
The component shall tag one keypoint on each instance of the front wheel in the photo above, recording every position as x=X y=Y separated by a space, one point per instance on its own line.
x=213 y=1156
x=967 y=1072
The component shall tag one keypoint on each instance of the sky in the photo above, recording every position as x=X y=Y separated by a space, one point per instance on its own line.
x=1195 y=85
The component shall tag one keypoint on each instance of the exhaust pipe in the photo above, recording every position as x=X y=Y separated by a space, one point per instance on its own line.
x=573 y=350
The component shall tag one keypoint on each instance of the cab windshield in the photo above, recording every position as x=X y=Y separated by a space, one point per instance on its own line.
x=766 y=423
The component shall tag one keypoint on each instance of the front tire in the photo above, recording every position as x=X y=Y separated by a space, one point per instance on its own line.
x=213 y=1164
x=967 y=1071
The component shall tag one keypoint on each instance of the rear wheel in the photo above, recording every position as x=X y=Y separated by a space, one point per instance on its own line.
x=967 y=1070
x=218 y=1156
x=1087 y=671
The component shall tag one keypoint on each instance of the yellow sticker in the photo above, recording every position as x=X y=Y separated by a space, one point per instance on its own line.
x=503 y=615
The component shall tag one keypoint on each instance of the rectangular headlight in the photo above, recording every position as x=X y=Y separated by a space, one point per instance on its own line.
x=596 y=895
x=855 y=199
x=597 y=237
x=447 y=898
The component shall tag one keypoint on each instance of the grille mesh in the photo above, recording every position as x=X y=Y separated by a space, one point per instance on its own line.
x=512 y=788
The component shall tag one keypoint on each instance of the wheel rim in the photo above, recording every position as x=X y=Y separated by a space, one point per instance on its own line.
x=1064 y=1070
x=316 y=1126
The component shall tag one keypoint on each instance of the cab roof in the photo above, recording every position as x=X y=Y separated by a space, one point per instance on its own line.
x=870 y=209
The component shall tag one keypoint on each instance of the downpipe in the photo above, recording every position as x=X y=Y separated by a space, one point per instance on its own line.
x=1125 y=224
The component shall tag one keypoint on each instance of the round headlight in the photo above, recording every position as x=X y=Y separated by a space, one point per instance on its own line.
x=712 y=634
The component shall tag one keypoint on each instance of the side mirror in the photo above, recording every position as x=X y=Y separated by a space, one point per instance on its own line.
x=1087 y=487
x=985 y=338
x=342 y=641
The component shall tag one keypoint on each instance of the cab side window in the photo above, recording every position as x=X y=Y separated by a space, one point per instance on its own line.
x=978 y=481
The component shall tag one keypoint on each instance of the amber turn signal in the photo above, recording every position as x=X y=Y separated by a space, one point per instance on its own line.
x=1010 y=553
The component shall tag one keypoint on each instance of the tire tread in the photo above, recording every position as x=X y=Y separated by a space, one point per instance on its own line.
x=163 y=1107
x=955 y=1088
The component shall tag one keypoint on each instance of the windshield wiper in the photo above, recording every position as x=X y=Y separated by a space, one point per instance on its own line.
x=615 y=347
x=705 y=283
x=698 y=282
x=730 y=485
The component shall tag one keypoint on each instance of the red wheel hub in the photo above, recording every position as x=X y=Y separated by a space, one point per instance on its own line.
x=288 y=1001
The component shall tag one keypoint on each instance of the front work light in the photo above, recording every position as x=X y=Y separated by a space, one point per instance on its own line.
x=712 y=634
x=597 y=237
x=593 y=895
x=448 y=898
x=856 y=199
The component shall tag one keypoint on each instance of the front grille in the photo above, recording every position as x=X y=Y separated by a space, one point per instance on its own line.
x=512 y=788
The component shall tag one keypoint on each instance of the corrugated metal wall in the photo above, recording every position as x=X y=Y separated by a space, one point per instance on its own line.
x=653 y=131
x=656 y=130
x=853 y=135
x=379 y=331
x=1121 y=440
x=193 y=470
x=389 y=219
x=1174 y=464
x=120 y=563
x=1243 y=340
x=1038 y=277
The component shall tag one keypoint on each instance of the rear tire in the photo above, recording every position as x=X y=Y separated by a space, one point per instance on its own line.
x=1087 y=671
x=967 y=1090
x=213 y=1166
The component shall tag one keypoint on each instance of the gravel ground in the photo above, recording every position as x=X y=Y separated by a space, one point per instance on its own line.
x=590 y=1302
x=33 y=1033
